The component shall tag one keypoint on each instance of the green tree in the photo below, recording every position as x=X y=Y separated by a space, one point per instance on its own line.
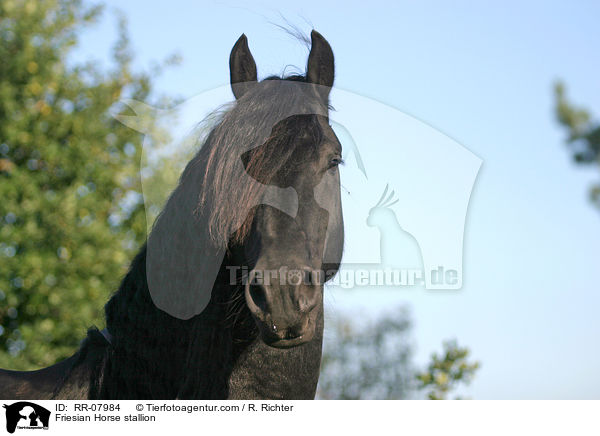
x=367 y=361
x=583 y=134
x=71 y=214
x=446 y=371
x=374 y=361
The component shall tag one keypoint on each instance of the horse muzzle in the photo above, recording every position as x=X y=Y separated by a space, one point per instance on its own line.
x=285 y=311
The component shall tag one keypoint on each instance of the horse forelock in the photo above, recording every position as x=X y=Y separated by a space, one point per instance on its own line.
x=228 y=193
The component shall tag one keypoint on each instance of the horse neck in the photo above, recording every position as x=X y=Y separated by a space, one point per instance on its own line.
x=214 y=355
x=154 y=355
x=263 y=372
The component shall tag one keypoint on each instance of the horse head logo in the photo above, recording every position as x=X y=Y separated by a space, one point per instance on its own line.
x=27 y=415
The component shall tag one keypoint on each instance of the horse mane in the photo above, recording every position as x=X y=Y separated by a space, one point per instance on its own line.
x=153 y=354
x=247 y=126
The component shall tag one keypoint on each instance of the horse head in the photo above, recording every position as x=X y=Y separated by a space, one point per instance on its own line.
x=262 y=196
x=291 y=256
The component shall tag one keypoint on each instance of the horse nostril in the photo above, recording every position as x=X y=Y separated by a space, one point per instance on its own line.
x=307 y=299
x=303 y=303
x=256 y=296
x=307 y=292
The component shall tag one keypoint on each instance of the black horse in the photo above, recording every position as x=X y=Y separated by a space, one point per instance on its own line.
x=262 y=195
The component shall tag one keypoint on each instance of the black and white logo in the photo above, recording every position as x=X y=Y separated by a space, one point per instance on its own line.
x=26 y=415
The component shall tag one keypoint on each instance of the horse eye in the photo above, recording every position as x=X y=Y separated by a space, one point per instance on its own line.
x=335 y=162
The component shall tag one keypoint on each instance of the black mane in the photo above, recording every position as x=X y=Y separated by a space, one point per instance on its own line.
x=247 y=126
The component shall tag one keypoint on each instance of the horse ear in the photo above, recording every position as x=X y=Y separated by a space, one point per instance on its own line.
x=320 y=68
x=242 y=68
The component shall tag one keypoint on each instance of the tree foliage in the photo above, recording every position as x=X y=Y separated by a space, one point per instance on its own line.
x=374 y=361
x=583 y=134
x=367 y=361
x=446 y=371
x=71 y=214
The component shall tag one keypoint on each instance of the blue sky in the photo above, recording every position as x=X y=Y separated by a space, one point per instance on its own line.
x=482 y=74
